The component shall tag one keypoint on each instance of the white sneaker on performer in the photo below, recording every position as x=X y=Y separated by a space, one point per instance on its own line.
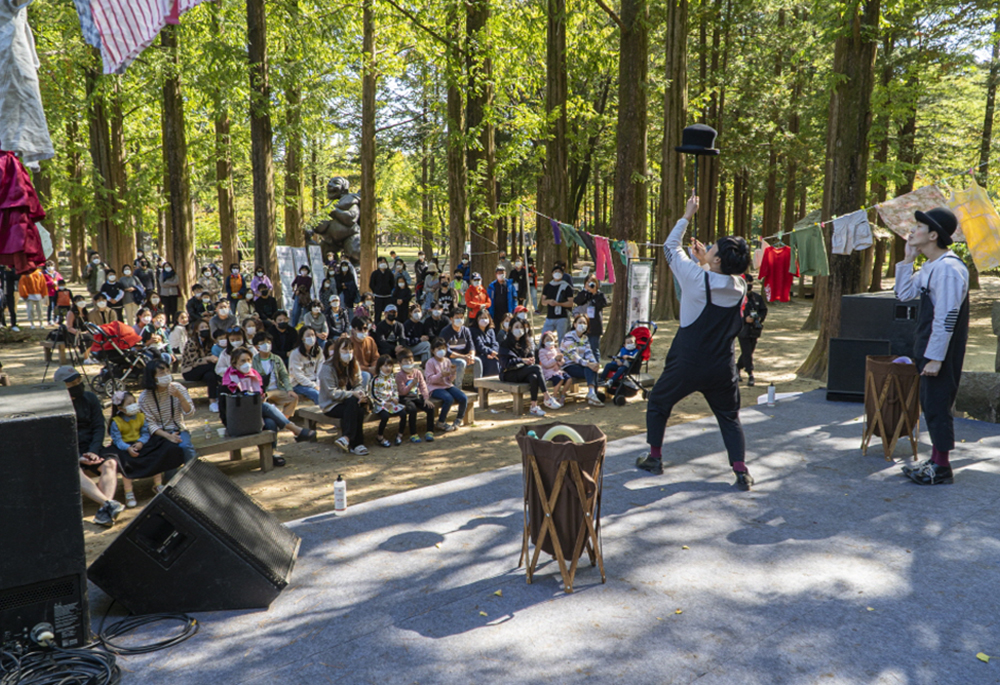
x=536 y=411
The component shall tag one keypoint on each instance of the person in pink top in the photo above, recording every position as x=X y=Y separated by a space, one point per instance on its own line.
x=414 y=394
x=550 y=358
x=52 y=278
x=441 y=374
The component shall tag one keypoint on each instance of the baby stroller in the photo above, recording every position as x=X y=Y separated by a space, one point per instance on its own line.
x=119 y=348
x=635 y=380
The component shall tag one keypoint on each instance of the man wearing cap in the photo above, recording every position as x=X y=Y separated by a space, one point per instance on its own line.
x=942 y=284
x=90 y=443
x=389 y=333
x=502 y=295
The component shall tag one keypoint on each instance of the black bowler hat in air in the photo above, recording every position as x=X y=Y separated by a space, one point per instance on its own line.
x=941 y=220
x=698 y=139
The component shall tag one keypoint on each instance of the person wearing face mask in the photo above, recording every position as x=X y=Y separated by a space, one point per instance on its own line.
x=487 y=361
x=316 y=320
x=461 y=349
x=330 y=259
x=170 y=288
x=115 y=293
x=476 y=297
x=342 y=395
x=179 y=334
x=551 y=359
x=166 y=404
x=224 y=319
x=236 y=287
x=346 y=282
x=385 y=401
x=366 y=305
x=250 y=326
x=401 y=294
x=338 y=321
x=326 y=289
x=504 y=262
x=519 y=277
x=274 y=375
x=446 y=298
x=619 y=366
x=381 y=283
x=503 y=330
x=591 y=302
x=94 y=273
x=235 y=339
x=139 y=454
x=419 y=273
x=260 y=278
x=146 y=278
x=415 y=395
x=460 y=285
x=431 y=285
x=557 y=298
x=143 y=319
x=502 y=294
x=210 y=282
x=390 y=334
x=416 y=339
x=399 y=272
x=517 y=364
x=285 y=337
x=195 y=307
x=303 y=365
x=241 y=378
x=134 y=292
x=754 y=313
x=580 y=359
x=435 y=324
x=139 y=256
x=153 y=303
x=76 y=318
x=265 y=305
x=464 y=270
x=443 y=382
x=100 y=313
x=365 y=350
x=90 y=440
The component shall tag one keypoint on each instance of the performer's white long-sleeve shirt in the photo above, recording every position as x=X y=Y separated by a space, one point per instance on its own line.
x=727 y=291
x=949 y=279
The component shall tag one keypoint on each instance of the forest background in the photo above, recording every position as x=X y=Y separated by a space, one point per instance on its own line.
x=456 y=121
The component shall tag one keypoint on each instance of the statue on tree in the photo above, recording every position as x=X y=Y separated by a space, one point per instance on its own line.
x=341 y=233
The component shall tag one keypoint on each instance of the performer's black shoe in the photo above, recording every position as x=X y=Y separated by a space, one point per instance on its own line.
x=932 y=474
x=647 y=463
x=743 y=480
x=916 y=466
x=750 y=380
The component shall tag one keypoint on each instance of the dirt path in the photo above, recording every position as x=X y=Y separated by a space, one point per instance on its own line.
x=305 y=486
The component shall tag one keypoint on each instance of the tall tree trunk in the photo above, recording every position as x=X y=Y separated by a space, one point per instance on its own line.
x=846 y=165
x=555 y=198
x=294 y=234
x=74 y=171
x=987 y=140
x=100 y=154
x=629 y=211
x=123 y=237
x=182 y=245
x=262 y=143
x=909 y=159
x=457 y=170
x=481 y=156
x=369 y=210
x=672 y=195
x=225 y=193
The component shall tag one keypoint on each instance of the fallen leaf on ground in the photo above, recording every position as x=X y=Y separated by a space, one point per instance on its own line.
x=679 y=611
x=483 y=613
x=498 y=593
x=685 y=547
x=985 y=658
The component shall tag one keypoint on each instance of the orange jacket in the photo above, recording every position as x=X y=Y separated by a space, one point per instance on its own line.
x=32 y=284
x=476 y=299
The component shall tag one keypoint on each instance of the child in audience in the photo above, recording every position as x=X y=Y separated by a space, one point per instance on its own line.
x=385 y=400
x=441 y=376
x=414 y=394
x=617 y=368
x=551 y=358
x=139 y=453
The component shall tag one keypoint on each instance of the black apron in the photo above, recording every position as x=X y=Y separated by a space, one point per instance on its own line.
x=708 y=342
x=937 y=393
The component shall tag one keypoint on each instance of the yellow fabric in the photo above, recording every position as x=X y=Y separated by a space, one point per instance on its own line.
x=979 y=222
x=130 y=430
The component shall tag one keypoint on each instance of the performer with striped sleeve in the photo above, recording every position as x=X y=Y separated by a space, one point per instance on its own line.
x=942 y=331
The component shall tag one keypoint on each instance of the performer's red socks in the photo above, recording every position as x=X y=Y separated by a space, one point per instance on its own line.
x=739 y=467
x=940 y=458
x=655 y=452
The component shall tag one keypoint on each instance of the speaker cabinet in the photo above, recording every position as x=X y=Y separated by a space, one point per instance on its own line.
x=880 y=316
x=846 y=367
x=42 y=558
x=200 y=545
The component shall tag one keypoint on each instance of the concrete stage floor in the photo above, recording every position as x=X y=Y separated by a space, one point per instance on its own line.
x=834 y=569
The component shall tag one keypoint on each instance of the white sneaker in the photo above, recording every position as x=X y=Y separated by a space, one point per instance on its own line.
x=130 y=500
x=15 y=329
x=536 y=411
x=551 y=403
x=343 y=443
x=593 y=400
x=89 y=361
x=214 y=407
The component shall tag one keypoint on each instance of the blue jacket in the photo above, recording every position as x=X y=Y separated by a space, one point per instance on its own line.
x=466 y=270
x=511 y=298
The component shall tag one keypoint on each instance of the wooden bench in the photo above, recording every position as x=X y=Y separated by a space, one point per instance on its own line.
x=312 y=416
x=493 y=383
x=263 y=441
x=48 y=346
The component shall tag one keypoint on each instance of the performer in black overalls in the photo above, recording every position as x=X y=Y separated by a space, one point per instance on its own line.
x=942 y=332
x=701 y=357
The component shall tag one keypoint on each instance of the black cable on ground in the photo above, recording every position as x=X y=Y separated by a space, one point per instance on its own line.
x=64 y=667
x=106 y=638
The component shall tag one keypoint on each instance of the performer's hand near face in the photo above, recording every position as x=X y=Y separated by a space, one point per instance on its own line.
x=910 y=253
x=698 y=250
x=931 y=368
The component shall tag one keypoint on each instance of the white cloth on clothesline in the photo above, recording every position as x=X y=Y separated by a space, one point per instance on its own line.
x=851 y=232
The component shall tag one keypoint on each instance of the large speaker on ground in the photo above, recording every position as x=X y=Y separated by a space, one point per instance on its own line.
x=42 y=560
x=880 y=316
x=846 y=367
x=200 y=545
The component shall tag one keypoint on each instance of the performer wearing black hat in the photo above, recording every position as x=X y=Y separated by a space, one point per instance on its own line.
x=942 y=332
x=701 y=357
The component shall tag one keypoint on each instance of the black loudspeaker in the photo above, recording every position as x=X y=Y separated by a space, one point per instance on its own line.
x=846 y=367
x=880 y=316
x=200 y=545
x=42 y=559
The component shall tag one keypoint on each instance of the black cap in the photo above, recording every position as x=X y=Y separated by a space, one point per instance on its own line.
x=941 y=220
